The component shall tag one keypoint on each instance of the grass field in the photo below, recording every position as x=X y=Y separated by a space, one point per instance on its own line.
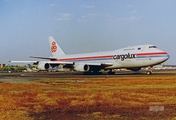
x=139 y=98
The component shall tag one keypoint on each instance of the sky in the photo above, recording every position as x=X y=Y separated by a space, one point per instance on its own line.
x=81 y=26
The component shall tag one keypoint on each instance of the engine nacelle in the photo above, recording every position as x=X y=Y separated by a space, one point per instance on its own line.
x=47 y=66
x=43 y=65
x=82 y=68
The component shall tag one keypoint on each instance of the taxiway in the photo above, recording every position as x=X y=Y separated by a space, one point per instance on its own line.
x=25 y=77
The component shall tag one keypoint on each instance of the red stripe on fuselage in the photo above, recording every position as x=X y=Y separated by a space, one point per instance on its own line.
x=86 y=58
x=151 y=53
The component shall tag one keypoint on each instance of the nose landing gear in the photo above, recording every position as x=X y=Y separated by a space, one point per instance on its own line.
x=149 y=71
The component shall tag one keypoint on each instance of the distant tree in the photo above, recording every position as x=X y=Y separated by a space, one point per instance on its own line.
x=13 y=68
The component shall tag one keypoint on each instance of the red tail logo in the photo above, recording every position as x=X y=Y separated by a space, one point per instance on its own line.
x=53 y=47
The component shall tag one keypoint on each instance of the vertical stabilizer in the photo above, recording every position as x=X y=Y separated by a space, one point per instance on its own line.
x=54 y=47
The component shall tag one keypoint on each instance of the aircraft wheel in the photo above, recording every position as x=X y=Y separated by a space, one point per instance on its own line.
x=87 y=73
x=97 y=73
x=149 y=72
x=111 y=73
x=93 y=73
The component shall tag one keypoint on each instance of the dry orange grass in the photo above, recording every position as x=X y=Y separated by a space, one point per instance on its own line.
x=89 y=98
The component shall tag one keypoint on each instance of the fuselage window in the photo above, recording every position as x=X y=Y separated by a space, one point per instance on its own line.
x=152 y=47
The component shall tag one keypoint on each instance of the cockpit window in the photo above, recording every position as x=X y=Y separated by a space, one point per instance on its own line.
x=152 y=47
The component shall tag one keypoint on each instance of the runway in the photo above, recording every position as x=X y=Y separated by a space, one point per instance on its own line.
x=26 y=77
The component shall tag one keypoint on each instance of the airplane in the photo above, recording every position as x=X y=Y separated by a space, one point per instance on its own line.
x=132 y=58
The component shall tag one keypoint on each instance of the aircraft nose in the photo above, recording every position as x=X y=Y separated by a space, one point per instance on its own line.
x=167 y=56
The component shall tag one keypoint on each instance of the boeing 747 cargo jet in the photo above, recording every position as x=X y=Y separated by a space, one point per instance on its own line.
x=132 y=58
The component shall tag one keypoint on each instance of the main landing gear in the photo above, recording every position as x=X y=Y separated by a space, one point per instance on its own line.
x=149 y=71
x=111 y=73
x=93 y=73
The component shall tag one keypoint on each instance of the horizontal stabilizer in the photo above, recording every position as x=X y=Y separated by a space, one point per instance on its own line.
x=47 y=58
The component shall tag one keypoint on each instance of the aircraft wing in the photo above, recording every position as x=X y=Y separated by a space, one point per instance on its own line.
x=106 y=64
x=22 y=61
x=73 y=63
x=60 y=62
x=97 y=64
x=55 y=61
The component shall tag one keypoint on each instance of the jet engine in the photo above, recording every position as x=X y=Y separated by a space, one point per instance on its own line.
x=43 y=65
x=82 y=68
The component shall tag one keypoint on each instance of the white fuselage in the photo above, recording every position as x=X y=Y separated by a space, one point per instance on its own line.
x=129 y=57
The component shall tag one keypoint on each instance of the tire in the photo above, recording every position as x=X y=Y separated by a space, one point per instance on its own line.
x=149 y=72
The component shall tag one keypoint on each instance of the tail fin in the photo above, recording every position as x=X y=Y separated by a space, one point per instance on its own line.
x=54 y=47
